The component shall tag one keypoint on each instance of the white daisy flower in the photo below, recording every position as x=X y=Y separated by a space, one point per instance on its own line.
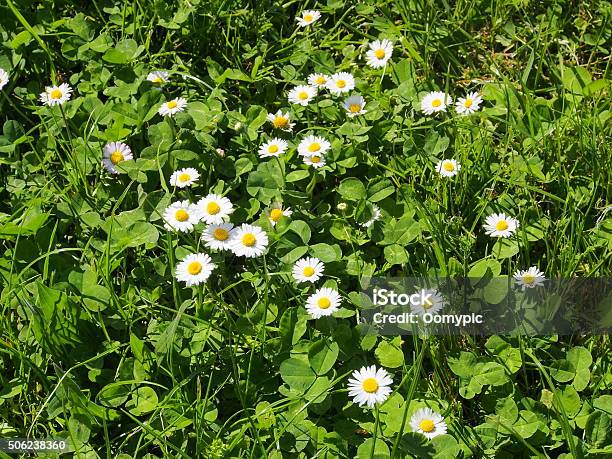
x=529 y=278
x=214 y=208
x=379 y=53
x=113 y=154
x=448 y=167
x=308 y=269
x=434 y=302
x=4 y=78
x=181 y=216
x=317 y=80
x=172 y=107
x=281 y=121
x=324 y=302
x=276 y=212
x=56 y=95
x=184 y=177
x=302 y=94
x=428 y=423
x=468 y=104
x=369 y=386
x=354 y=105
x=274 y=147
x=194 y=269
x=313 y=145
x=158 y=77
x=308 y=17
x=248 y=241
x=434 y=102
x=315 y=161
x=217 y=236
x=340 y=83
x=376 y=214
x=499 y=225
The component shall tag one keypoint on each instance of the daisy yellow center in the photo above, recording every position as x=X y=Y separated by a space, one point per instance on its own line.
x=501 y=225
x=181 y=215
x=184 y=177
x=341 y=83
x=116 y=157
x=379 y=53
x=303 y=95
x=194 y=268
x=315 y=159
x=308 y=17
x=427 y=425
x=273 y=149
x=529 y=278
x=213 y=208
x=314 y=146
x=56 y=94
x=172 y=104
x=448 y=166
x=427 y=304
x=324 y=303
x=157 y=79
x=220 y=234
x=354 y=108
x=370 y=385
x=249 y=239
x=320 y=79
x=308 y=271
x=280 y=122
x=468 y=103
x=436 y=103
x=276 y=214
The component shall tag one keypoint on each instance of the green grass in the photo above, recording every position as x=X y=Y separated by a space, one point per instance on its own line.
x=100 y=344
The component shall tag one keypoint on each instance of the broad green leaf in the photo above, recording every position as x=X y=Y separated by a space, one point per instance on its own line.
x=390 y=354
x=297 y=374
x=352 y=189
x=322 y=355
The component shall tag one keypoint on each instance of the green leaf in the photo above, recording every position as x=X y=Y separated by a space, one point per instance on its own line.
x=395 y=254
x=301 y=229
x=373 y=449
x=325 y=252
x=401 y=232
x=297 y=374
x=603 y=403
x=435 y=143
x=296 y=176
x=115 y=394
x=562 y=370
x=505 y=248
x=379 y=189
x=527 y=424
x=143 y=401
x=95 y=297
x=567 y=401
x=446 y=447
x=322 y=355
x=266 y=182
x=291 y=327
x=390 y=354
x=352 y=189
x=598 y=429
x=485 y=267
x=125 y=51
